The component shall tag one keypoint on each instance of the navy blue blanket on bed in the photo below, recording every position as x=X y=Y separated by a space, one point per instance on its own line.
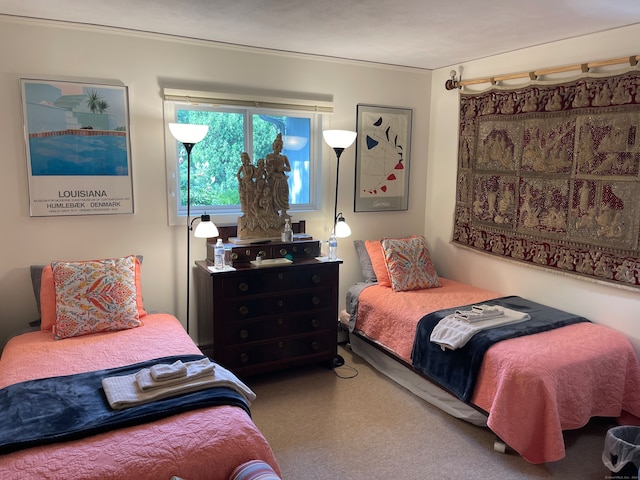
x=50 y=410
x=457 y=370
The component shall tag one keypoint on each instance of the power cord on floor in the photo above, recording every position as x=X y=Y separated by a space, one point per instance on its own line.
x=339 y=366
x=347 y=368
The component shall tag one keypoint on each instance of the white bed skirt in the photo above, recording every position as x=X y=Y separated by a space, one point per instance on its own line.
x=416 y=384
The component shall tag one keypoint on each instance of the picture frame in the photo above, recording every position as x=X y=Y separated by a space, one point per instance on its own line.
x=77 y=147
x=383 y=151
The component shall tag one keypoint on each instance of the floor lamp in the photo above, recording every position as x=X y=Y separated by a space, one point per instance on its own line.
x=189 y=135
x=339 y=140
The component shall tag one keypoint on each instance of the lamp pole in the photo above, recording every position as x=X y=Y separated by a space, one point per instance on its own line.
x=188 y=135
x=188 y=147
x=338 y=151
x=339 y=140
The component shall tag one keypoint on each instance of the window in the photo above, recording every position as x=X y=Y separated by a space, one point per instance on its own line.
x=215 y=161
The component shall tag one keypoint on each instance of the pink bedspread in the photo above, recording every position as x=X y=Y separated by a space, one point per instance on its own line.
x=554 y=381
x=391 y=317
x=202 y=444
x=533 y=387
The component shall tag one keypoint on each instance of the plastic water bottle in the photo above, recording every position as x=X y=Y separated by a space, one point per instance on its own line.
x=332 y=254
x=287 y=233
x=218 y=255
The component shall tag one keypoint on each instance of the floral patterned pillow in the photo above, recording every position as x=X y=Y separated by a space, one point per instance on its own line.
x=47 y=295
x=95 y=296
x=409 y=264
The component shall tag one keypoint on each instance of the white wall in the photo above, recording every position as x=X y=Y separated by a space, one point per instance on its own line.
x=608 y=305
x=144 y=63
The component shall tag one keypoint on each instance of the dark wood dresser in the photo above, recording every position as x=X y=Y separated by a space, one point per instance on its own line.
x=256 y=320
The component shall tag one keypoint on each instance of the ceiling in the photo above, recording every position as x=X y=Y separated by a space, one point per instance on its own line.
x=426 y=34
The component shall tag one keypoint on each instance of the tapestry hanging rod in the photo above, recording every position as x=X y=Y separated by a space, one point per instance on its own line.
x=456 y=82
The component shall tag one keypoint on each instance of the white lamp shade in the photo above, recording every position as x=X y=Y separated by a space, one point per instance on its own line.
x=342 y=229
x=188 y=132
x=206 y=229
x=339 y=138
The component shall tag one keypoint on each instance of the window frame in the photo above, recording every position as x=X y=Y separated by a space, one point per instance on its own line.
x=227 y=214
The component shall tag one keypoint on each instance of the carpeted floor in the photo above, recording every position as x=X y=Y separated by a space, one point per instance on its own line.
x=353 y=423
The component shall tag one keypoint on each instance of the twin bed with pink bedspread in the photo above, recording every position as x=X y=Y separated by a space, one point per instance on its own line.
x=532 y=387
x=206 y=443
x=67 y=422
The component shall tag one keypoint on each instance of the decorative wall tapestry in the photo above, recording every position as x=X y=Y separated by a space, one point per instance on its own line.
x=549 y=175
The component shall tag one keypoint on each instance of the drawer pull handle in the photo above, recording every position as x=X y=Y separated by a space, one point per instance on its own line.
x=315 y=279
x=315 y=346
x=280 y=303
x=243 y=287
x=307 y=250
x=283 y=251
x=280 y=344
x=315 y=323
x=262 y=253
x=280 y=321
x=315 y=300
x=244 y=358
x=234 y=255
x=243 y=310
x=280 y=276
x=244 y=334
x=247 y=252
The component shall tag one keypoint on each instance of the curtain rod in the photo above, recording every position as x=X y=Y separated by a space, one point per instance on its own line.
x=455 y=82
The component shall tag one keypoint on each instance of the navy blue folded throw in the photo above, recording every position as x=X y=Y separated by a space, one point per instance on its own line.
x=457 y=370
x=50 y=410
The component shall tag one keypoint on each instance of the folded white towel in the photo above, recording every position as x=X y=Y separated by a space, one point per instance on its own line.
x=479 y=312
x=194 y=370
x=123 y=391
x=452 y=333
x=487 y=309
x=164 y=371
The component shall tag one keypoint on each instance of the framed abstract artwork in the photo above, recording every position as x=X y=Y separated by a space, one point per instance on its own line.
x=383 y=148
x=77 y=148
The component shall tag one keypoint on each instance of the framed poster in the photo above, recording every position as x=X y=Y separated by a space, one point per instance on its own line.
x=383 y=149
x=77 y=148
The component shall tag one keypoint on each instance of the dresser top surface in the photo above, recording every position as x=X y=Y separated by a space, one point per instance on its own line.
x=244 y=267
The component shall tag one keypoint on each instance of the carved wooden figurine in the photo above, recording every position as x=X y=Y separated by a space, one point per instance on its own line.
x=264 y=194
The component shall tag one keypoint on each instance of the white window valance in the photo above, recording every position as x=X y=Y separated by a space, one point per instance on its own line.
x=306 y=103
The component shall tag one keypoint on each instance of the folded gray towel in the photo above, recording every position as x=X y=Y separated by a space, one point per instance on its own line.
x=193 y=371
x=123 y=391
x=164 y=371
x=452 y=332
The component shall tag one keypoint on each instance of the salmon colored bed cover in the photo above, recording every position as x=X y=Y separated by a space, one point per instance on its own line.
x=532 y=387
x=202 y=444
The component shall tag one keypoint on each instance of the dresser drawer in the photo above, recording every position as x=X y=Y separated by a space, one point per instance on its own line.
x=259 y=281
x=244 y=253
x=269 y=280
x=302 y=250
x=275 y=327
x=240 y=356
x=279 y=303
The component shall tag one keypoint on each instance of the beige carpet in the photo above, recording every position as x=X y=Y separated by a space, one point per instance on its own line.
x=323 y=425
